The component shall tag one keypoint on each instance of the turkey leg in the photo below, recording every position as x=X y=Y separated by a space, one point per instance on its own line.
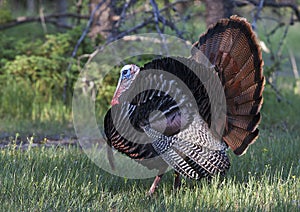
x=177 y=181
x=155 y=184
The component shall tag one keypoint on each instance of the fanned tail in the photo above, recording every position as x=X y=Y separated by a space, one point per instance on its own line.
x=231 y=46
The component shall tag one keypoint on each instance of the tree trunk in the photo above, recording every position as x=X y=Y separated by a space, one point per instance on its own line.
x=103 y=18
x=216 y=9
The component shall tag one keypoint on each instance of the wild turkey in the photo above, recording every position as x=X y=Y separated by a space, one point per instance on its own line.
x=156 y=122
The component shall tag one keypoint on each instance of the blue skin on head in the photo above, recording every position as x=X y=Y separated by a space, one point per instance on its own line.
x=126 y=72
x=127 y=76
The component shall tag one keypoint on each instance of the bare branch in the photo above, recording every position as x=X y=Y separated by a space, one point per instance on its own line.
x=43 y=22
x=282 y=39
x=294 y=64
x=256 y=16
x=48 y=18
x=123 y=13
x=169 y=23
x=58 y=24
x=241 y=3
x=273 y=31
x=277 y=5
x=83 y=35
x=157 y=17
x=133 y=29
x=139 y=38
x=143 y=24
x=279 y=96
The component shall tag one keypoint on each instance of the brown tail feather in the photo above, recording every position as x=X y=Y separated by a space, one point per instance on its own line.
x=248 y=123
x=251 y=93
x=238 y=147
x=249 y=108
x=232 y=47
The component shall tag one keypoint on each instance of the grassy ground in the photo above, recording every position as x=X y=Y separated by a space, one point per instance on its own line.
x=64 y=179
x=266 y=178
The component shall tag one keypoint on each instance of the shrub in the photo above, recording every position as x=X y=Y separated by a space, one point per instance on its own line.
x=35 y=71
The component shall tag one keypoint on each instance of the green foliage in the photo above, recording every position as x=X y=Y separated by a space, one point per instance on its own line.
x=5 y=13
x=284 y=112
x=34 y=72
x=39 y=72
x=292 y=39
x=34 y=69
x=266 y=178
x=11 y=47
x=5 y=16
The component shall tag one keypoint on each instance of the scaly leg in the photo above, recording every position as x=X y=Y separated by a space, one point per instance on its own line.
x=155 y=184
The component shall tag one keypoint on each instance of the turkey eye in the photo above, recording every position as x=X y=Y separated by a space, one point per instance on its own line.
x=124 y=72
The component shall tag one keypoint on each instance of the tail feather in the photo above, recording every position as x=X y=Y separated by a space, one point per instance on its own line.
x=248 y=123
x=237 y=88
x=248 y=68
x=241 y=50
x=231 y=46
x=251 y=93
x=234 y=140
x=248 y=108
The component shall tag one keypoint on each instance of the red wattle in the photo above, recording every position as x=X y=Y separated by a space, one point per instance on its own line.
x=114 y=101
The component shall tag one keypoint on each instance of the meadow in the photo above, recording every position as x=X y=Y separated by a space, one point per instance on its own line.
x=64 y=179
x=48 y=177
x=60 y=178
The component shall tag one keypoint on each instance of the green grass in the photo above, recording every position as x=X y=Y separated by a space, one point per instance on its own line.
x=64 y=179
x=282 y=113
x=266 y=178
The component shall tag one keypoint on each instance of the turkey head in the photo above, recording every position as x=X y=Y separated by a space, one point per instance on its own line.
x=127 y=75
